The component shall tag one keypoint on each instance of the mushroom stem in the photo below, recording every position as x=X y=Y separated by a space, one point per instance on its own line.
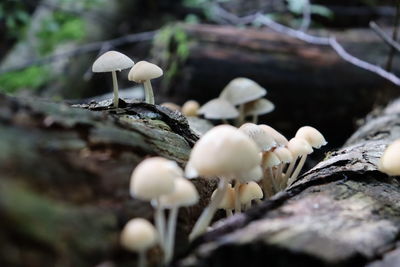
x=238 y=206
x=225 y=121
x=267 y=184
x=148 y=92
x=248 y=205
x=142 y=260
x=298 y=169
x=274 y=182
x=240 y=119
x=258 y=201
x=290 y=170
x=170 y=241
x=255 y=118
x=115 y=86
x=229 y=213
x=159 y=220
x=206 y=217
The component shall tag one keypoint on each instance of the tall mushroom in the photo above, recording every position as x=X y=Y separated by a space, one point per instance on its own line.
x=224 y=151
x=185 y=194
x=258 y=107
x=112 y=61
x=299 y=148
x=143 y=72
x=138 y=236
x=153 y=178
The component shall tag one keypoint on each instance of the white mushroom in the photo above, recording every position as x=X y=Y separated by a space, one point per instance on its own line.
x=185 y=194
x=389 y=162
x=190 y=108
x=299 y=148
x=112 y=61
x=223 y=151
x=153 y=178
x=143 y=72
x=218 y=109
x=249 y=192
x=138 y=236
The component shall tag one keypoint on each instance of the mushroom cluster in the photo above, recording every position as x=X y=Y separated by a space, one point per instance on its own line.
x=239 y=99
x=161 y=182
x=141 y=72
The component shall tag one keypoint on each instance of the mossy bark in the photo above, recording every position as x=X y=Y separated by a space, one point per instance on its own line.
x=343 y=212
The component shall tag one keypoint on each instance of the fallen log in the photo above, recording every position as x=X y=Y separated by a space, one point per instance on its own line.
x=301 y=78
x=343 y=212
x=64 y=178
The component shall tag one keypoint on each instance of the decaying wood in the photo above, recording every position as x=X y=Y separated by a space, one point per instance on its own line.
x=343 y=212
x=300 y=77
x=64 y=178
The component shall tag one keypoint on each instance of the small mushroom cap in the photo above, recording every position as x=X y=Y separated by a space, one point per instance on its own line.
x=249 y=192
x=280 y=139
x=171 y=106
x=190 y=108
x=270 y=159
x=284 y=154
x=143 y=71
x=224 y=151
x=112 y=61
x=254 y=174
x=228 y=202
x=258 y=107
x=390 y=161
x=312 y=136
x=154 y=177
x=299 y=147
x=185 y=194
x=217 y=109
x=138 y=235
x=242 y=90
x=263 y=140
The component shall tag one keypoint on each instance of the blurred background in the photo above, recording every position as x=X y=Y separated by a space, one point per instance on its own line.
x=47 y=48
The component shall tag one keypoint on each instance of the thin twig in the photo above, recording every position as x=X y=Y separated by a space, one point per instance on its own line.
x=363 y=64
x=386 y=38
x=131 y=38
x=392 y=51
x=323 y=41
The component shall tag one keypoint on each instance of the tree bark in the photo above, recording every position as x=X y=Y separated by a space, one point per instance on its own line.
x=64 y=179
x=343 y=212
x=301 y=78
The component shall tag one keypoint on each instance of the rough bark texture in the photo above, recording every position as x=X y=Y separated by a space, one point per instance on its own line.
x=343 y=212
x=64 y=179
x=300 y=78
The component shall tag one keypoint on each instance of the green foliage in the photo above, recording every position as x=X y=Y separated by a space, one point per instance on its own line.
x=296 y=7
x=15 y=16
x=32 y=77
x=58 y=28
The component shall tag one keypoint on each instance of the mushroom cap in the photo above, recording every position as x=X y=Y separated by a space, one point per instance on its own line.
x=217 y=109
x=299 y=147
x=390 y=161
x=143 y=71
x=228 y=202
x=224 y=151
x=263 y=140
x=112 y=61
x=138 y=235
x=242 y=90
x=254 y=174
x=280 y=139
x=171 y=106
x=184 y=194
x=154 y=177
x=190 y=108
x=312 y=136
x=270 y=159
x=250 y=191
x=258 y=107
x=284 y=154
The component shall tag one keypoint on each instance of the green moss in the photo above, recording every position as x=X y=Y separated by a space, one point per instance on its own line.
x=32 y=78
x=174 y=43
x=58 y=28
